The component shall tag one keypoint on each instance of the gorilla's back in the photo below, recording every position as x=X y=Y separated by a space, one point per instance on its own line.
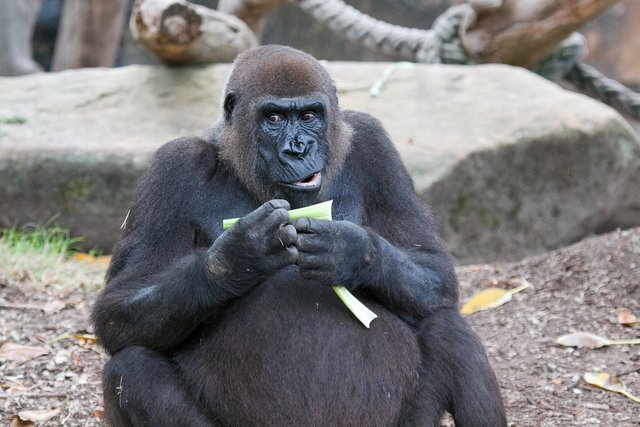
x=290 y=353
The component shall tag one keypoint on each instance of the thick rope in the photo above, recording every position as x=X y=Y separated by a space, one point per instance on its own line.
x=442 y=44
x=563 y=62
x=609 y=91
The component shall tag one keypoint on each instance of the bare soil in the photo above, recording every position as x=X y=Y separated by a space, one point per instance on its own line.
x=578 y=288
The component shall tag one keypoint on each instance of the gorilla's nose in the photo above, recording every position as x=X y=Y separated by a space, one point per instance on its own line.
x=299 y=147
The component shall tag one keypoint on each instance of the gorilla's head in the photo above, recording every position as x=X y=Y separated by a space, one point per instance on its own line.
x=282 y=129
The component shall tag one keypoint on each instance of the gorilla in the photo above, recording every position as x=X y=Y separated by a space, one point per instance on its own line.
x=240 y=327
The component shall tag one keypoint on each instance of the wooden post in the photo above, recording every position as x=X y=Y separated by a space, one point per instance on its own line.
x=17 y=20
x=522 y=32
x=181 y=32
x=89 y=33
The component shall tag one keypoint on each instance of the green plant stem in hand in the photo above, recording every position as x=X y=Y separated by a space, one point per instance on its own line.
x=323 y=211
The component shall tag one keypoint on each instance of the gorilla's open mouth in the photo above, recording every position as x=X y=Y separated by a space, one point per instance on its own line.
x=310 y=182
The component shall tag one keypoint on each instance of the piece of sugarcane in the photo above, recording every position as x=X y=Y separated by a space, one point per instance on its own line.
x=323 y=211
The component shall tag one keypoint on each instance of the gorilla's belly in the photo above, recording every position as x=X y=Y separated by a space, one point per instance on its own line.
x=291 y=353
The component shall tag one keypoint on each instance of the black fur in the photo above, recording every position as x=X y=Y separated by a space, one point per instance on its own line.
x=241 y=327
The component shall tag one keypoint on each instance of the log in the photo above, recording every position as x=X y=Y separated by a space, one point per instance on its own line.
x=17 y=22
x=522 y=32
x=89 y=34
x=180 y=32
x=252 y=12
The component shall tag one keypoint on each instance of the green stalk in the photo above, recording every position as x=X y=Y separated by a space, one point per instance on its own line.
x=364 y=315
x=323 y=211
x=317 y=211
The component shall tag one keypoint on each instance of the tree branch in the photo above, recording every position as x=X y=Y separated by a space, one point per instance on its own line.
x=253 y=12
x=522 y=32
x=180 y=32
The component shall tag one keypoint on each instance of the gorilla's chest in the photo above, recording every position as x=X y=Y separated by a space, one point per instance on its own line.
x=291 y=352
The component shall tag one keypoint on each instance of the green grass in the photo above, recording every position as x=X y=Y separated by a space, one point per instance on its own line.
x=13 y=120
x=46 y=239
x=40 y=255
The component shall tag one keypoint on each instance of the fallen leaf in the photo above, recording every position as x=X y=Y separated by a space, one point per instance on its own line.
x=53 y=306
x=627 y=318
x=16 y=421
x=591 y=341
x=490 y=298
x=608 y=382
x=38 y=414
x=20 y=353
x=103 y=260
x=86 y=339
x=583 y=340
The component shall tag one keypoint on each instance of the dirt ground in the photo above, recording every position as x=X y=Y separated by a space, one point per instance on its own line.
x=578 y=288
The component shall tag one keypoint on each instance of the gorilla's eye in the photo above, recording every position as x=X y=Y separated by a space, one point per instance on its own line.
x=274 y=117
x=307 y=116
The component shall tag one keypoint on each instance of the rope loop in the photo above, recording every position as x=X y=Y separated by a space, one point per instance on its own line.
x=562 y=59
x=445 y=46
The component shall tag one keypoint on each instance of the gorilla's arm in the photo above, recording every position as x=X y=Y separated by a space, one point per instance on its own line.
x=396 y=256
x=162 y=282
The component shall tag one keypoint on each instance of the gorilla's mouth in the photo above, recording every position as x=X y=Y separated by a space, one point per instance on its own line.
x=310 y=182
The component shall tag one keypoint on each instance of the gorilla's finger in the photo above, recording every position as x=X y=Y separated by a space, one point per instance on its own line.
x=265 y=210
x=284 y=237
x=287 y=235
x=305 y=225
x=292 y=254
x=278 y=204
x=308 y=243
x=277 y=219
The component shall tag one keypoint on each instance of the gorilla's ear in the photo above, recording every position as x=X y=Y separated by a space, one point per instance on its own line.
x=229 y=105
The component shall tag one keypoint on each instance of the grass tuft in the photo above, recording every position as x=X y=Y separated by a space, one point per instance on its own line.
x=42 y=255
x=43 y=238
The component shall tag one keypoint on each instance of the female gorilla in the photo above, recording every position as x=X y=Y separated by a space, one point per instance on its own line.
x=241 y=327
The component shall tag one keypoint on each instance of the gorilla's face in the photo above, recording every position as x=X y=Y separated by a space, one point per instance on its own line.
x=282 y=131
x=292 y=147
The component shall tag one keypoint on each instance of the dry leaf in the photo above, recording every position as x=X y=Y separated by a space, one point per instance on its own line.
x=38 y=415
x=16 y=421
x=490 y=298
x=583 y=340
x=609 y=383
x=627 y=318
x=591 y=341
x=90 y=259
x=20 y=353
x=86 y=339
x=53 y=306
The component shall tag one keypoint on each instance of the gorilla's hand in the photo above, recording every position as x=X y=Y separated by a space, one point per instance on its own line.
x=333 y=252
x=254 y=248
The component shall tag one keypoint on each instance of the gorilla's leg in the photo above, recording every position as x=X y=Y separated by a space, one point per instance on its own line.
x=142 y=387
x=457 y=376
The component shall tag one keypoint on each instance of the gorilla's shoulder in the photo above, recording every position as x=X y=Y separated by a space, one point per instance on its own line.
x=361 y=121
x=370 y=139
x=186 y=153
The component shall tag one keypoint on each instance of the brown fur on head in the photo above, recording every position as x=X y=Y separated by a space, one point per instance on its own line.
x=275 y=72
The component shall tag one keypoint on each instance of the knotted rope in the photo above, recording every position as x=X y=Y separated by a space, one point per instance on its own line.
x=442 y=44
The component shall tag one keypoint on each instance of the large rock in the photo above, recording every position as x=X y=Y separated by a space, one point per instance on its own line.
x=510 y=163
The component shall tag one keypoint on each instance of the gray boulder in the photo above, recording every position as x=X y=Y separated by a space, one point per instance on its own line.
x=510 y=163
